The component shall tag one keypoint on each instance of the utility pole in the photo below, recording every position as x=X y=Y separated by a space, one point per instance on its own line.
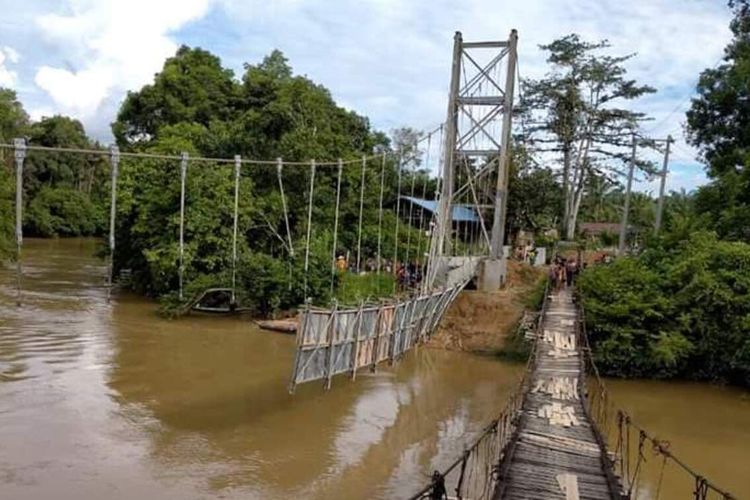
x=503 y=165
x=662 y=187
x=626 y=208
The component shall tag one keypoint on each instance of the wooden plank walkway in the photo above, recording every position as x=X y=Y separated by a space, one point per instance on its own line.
x=555 y=454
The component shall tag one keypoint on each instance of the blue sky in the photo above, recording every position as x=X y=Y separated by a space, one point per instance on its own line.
x=386 y=59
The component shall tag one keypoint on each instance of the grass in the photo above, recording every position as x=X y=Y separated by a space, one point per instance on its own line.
x=355 y=288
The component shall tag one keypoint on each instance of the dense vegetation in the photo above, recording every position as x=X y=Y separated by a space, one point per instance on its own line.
x=682 y=307
x=64 y=194
x=196 y=105
x=676 y=310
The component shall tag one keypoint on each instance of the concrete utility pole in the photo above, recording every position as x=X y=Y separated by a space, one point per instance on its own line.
x=20 y=155
x=501 y=188
x=662 y=187
x=626 y=208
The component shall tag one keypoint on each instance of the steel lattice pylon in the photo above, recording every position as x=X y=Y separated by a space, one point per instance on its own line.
x=477 y=142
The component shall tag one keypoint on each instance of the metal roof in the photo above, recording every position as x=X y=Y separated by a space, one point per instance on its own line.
x=460 y=213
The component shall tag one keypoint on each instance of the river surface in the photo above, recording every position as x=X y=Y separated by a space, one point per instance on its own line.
x=108 y=400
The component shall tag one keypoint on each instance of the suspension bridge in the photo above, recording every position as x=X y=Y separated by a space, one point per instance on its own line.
x=559 y=435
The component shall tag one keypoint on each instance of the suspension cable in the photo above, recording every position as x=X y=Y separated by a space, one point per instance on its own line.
x=237 y=168
x=183 y=178
x=309 y=225
x=420 y=237
x=398 y=212
x=411 y=210
x=361 y=207
x=336 y=226
x=279 y=167
x=380 y=218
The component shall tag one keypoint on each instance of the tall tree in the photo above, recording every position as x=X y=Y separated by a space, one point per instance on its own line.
x=718 y=124
x=13 y=118
x=13 y=123
x=577 y=112
x=192 y=87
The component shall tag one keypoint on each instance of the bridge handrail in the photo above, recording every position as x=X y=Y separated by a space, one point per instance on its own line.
x=601 y=407
x=501 y=428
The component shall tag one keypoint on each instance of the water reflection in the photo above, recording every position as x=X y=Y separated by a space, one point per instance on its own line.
x=706 y=426
x=106 y=400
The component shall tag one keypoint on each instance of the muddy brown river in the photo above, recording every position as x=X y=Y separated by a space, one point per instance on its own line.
x=108 y=400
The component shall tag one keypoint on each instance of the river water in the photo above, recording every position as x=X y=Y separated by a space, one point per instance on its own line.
x=108 y=400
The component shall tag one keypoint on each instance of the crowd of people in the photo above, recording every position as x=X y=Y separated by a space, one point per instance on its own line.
x=563 y=272
x=408 y=274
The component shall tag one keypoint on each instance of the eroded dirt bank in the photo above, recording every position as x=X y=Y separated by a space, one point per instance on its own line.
x=482 y=321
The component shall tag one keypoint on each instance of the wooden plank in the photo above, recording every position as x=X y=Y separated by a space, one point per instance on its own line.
x=556 y=454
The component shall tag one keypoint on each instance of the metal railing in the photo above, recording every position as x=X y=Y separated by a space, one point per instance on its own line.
x=630 y=444
x=476 y=474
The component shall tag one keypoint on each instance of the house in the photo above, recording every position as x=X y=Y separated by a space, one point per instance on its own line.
x=597 y=229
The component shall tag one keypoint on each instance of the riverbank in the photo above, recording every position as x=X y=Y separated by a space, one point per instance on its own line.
x=487 y=322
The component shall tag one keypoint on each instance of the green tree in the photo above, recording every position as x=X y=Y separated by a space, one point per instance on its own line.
x=580 y=113
x=65 y=193
x=534 y=196
x=272 y=113
x=718 y=124
x=13 y=123
x=13 y=118
x=192 y=87
x=680 y=309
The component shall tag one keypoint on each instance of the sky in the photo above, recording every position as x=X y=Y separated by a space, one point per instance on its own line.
x=386 y=59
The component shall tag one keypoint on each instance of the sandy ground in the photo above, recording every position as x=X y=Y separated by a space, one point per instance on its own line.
x=481 y=321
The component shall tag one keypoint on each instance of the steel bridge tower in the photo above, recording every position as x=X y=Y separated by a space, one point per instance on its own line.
x=477 y=144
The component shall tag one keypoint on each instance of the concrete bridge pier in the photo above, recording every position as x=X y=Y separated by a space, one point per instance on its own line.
x=491 y=274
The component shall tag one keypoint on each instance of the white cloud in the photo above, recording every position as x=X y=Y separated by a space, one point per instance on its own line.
x=11 y=54
x=114 y=46
x=8 y=77
x=386 y=59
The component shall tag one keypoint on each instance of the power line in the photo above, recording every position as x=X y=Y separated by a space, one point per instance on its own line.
x=682 y=102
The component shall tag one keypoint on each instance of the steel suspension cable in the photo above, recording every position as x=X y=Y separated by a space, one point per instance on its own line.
x=361 y=207
x=336 y=226
x=433 y=251
x=183 y=177
x=398 y=211
x=424 y=194
x=309 y=225
x=114 y=158
x=380 y=217
x=237 y=168
x=279 y=167
x=411 y=210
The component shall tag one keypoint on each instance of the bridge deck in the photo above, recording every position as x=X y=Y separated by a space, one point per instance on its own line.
x=555 y=455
